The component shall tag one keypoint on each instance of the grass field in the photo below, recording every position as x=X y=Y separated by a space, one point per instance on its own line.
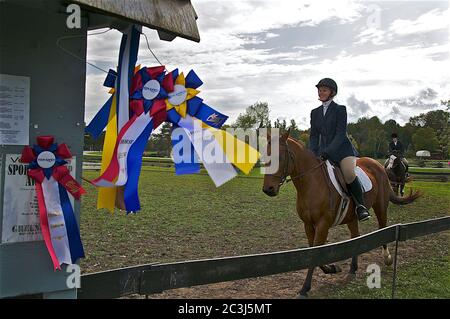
x=186 y=217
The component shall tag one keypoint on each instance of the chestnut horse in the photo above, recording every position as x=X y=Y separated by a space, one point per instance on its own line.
x=318 y=201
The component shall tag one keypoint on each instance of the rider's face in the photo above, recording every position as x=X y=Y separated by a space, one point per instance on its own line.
x=324 y=93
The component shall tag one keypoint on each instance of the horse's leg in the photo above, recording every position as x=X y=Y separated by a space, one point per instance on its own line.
x=310 y=233
x=354 y=232
x=402 y=186
x=380 y=209
x=320 y=237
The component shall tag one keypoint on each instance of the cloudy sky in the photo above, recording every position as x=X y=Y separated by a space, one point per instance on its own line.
x=389 y=58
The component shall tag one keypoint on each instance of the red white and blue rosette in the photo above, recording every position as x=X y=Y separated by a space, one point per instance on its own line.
x=53 y=182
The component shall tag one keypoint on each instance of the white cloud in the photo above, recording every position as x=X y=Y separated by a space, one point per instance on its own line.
x=270 y=35
x=237 y=16
x=372 y=35
x=238 y=72
x=431 y=21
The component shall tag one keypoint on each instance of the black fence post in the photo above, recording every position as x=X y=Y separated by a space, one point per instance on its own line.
x=394 y=276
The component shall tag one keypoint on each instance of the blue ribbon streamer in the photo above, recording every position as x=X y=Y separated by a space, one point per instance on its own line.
x=100 y=120
x=134 y=163
x=210 y=116
x=73 y=233
x=110 y=79
x=134 y=47
x=181 y=167
x=192 y=80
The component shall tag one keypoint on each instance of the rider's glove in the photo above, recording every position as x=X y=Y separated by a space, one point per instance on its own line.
x=324 y=156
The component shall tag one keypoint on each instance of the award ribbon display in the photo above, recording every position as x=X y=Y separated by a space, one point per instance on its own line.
x=53 y=182
x=154 y=96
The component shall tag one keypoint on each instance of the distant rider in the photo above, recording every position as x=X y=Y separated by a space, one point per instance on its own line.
x=396 y=148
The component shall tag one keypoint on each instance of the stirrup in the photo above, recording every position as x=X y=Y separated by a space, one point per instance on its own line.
x=364 y=215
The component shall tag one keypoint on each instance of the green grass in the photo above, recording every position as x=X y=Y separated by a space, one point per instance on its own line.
x=429 y=170
x=422 y=276
x=187 y=217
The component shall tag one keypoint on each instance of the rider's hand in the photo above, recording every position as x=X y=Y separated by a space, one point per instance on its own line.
x=324 y=156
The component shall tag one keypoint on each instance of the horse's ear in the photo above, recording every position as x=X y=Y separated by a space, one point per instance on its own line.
x=269 y=135
x=285 y=135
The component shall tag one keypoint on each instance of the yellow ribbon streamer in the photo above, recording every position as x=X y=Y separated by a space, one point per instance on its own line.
x=239 y=153
x=107 y=195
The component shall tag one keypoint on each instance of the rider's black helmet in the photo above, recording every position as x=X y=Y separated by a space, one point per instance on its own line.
x=394 y=135
x=329 y=83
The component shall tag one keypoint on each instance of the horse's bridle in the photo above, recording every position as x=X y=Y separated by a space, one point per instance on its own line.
x=290 y=156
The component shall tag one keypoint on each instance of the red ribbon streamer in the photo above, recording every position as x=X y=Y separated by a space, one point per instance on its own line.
x=62 y=175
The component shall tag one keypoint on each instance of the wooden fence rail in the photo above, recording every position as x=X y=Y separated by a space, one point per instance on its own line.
x=155 y=278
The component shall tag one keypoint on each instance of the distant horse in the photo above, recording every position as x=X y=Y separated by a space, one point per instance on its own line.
x=396 y=171
x=318 y=201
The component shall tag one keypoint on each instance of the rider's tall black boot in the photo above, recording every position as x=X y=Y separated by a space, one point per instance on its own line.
x=356 y=191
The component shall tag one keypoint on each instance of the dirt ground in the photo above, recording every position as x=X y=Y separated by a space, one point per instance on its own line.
x=287 y=285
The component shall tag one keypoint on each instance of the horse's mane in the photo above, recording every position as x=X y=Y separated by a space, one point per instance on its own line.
x=302 y=145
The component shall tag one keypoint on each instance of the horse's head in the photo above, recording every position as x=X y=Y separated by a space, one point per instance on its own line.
x=273 y=182
x=394 y=160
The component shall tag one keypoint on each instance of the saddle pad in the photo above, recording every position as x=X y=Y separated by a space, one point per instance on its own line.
x=363 y=178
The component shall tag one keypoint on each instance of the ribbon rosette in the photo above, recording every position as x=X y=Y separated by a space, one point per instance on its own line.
x=149 y=89
x=201 y=125
x=53 y=180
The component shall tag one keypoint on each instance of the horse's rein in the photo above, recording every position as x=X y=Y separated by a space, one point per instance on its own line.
x=284 y=178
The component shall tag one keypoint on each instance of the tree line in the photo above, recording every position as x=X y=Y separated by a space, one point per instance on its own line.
x=428 y=131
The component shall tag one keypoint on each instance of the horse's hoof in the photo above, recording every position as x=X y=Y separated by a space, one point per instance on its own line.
x=336 y=269
x=300 y=296
x=331 y=269
x=388 y=260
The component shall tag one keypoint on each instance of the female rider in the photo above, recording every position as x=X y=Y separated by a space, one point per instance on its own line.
x=328 y=139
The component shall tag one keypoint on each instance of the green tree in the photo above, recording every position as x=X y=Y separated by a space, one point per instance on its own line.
x=406 y=134
x=391 y=126
x=294 y=130
x=370 y=135
x=304 y=137
x=439 y=121
x=255 y=116
x=425 y=138
x=282 y=125
x=91 y=144
x=161 y=142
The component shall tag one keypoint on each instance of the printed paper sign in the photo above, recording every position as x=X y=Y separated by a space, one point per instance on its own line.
x=20 y=206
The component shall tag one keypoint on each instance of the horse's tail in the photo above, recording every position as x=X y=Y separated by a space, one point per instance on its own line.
x=403 y=200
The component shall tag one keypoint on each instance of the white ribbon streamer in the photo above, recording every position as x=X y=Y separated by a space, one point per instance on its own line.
x=218 y=169
x=56 y=223
x=128 y=139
